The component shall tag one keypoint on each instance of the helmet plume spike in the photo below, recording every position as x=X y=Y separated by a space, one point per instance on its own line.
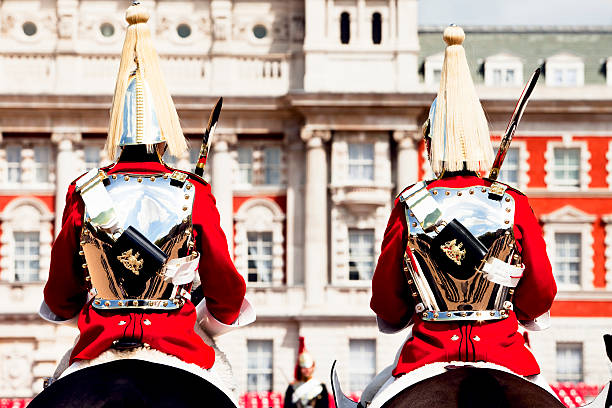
x=460 y=136
x=140 y=63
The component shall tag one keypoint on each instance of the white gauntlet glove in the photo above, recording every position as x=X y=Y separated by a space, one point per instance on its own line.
x=498 y=271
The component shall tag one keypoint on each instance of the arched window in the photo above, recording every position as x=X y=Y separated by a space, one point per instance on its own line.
x=25 y=242
x=376 y=28
x=259 y=242
x=345 y=27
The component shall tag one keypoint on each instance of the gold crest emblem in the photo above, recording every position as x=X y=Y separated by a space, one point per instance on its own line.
x=131 y=261
x=455 y=252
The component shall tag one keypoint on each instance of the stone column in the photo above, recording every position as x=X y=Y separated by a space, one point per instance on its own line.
x=221 y=183
x=315 y=220
x=66 y=170
x=407 y=158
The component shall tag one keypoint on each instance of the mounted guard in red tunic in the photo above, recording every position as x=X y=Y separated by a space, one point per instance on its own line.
x=137 y=237
x=462 y=264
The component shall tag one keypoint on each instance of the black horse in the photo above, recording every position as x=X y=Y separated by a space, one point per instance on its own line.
x=471 y=387
x=131 y=383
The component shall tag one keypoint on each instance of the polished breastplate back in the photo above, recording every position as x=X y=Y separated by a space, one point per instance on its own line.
x=158 y=206
x=444 y=294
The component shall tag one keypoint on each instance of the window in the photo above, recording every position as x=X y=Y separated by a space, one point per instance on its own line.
x=361 y=254
x=345 y=28
x=437 y=74
x=362 y=366
x=260 y=31
x=29 y=28
x=503 y=77
x=42 y=161
x=272 y=165
x=564 y=77
x=91 y=157
x=259 y=256
x=567 y=258
x=183 y=30
x=361 y=161
x=259 y=365
x=13 y=164
x=259 y=241
x=509 y=172
x=26 y=256
x=245 y=165
x=25 y=238
x=566 y=167
x=260 y=165
x=107 y=29
x=569 y=362
x=568 y=233
x=567 y=164
x=376 y=28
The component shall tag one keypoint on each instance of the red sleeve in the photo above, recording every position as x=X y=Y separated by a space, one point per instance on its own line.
x=223 y=286
x=536 y=290
x=391 y=300
x=66 y=290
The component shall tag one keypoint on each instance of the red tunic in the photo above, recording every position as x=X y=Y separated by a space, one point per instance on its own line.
x=495 y=342
x=170 y=332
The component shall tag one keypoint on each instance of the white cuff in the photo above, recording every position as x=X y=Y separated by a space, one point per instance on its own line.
x=539 y=323
x=214 y=327
x=46 y=313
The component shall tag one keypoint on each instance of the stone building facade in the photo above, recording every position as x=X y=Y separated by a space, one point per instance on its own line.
x=320 y=129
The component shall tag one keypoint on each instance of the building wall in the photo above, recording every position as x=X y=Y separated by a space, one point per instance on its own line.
x=298 y=89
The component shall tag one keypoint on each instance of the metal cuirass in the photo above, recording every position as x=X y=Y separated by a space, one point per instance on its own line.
x=159 y=207
x=443 y=294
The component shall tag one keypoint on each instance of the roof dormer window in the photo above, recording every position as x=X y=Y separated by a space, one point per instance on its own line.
x=503 y=70
x=564 y=70
x=433 y=68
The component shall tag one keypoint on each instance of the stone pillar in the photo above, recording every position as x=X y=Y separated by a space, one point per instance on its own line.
x=66 y=169
x=315 y=220
x=221 y=183
x=407 y=158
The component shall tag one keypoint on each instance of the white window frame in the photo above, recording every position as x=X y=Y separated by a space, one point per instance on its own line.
x=361 y=162
x=260 y=256
x=258 y=167
x=609 y=71
x=27 y=167
x=585 y=166
x=362 y=230
x=261 y=371
x=569 y=219
x=260 y=215
x=568 y=343
x=433 y=63
x=504 y=63
x=25 y=214
x=564 y=62
x=358 y=368
x=523 y=163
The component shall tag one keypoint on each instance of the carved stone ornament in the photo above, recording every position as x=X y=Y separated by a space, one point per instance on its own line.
x=65 y=27
x=7 y=23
